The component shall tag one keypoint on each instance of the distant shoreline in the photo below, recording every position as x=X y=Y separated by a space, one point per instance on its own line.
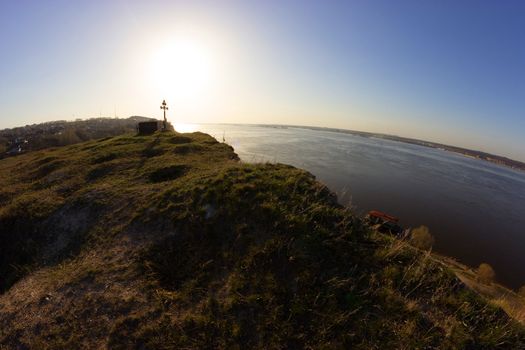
x=12 y=136
x=488 y=157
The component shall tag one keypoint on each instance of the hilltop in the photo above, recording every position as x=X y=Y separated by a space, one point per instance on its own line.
x=62 y=133
x=169 y=241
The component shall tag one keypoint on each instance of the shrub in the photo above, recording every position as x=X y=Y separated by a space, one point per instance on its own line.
x=486 y=273
x=421 y=238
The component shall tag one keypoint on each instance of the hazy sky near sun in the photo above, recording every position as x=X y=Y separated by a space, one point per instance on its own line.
x=446 y=71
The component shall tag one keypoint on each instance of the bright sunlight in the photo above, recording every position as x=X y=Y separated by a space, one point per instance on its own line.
x=184 y=70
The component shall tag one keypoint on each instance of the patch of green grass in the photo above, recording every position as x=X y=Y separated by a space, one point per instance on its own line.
x=168 y=173
x=105 y=158
x=180 y=140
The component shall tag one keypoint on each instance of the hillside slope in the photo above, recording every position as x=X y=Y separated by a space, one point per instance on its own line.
x=168 y=241
x=62 y=133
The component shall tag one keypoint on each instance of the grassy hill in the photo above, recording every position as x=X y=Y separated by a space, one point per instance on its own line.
x=168 y=241
x=62 y=133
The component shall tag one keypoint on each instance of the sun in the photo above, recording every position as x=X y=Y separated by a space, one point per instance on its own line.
x=184 y=70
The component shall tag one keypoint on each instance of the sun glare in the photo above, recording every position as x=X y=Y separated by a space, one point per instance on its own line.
x=185 y=127
x=184 y=70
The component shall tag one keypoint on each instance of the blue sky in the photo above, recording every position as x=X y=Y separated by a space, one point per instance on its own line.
x=446 y=71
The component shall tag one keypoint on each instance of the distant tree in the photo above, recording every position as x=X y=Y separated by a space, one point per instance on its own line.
x=82 y=135
x=421 y=238
x=67 y=137
x=3 y=145
x=486 y=273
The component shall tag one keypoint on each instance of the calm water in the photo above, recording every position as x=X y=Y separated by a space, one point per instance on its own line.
x=474 y=209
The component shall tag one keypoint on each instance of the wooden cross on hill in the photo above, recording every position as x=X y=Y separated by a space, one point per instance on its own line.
x=164 y=106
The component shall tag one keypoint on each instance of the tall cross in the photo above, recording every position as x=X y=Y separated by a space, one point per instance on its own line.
x=164 y=106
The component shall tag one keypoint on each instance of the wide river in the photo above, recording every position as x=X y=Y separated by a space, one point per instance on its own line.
x=474 y=209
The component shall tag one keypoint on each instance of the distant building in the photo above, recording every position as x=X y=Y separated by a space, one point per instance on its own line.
x=147 y=128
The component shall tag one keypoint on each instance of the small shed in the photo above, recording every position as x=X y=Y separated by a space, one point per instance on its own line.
x=147 y=128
